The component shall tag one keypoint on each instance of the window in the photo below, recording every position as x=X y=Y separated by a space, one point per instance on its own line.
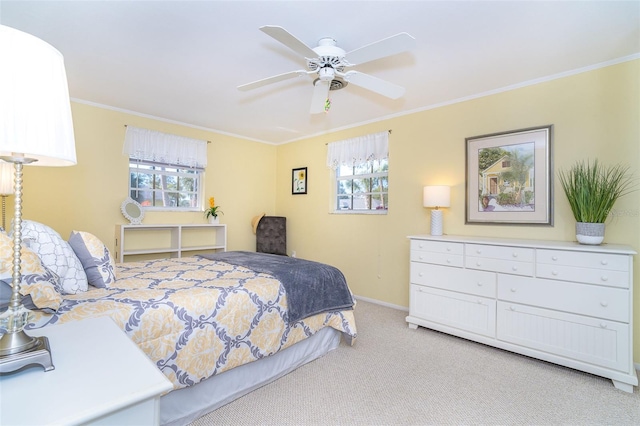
x=160 y=186
x=166 y=172
x=364 y=187
x=361 y=174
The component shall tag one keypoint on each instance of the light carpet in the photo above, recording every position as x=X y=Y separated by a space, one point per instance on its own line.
x=397 y=376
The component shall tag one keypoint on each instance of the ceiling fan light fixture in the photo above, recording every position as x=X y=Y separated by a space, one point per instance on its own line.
x=336 y=84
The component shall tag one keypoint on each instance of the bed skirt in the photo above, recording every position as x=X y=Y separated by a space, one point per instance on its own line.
x=183 y=406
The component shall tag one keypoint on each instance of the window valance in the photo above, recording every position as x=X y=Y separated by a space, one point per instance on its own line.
x=359 y=150
x=150 y=145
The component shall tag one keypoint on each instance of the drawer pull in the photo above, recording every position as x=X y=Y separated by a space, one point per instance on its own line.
x=448 y=260
x=420 y=257
x=604 y=303
x=513 y=289
x=605 y=278
x=603 y=325
x=554 y=273
x=478 y=264
x=448 y=248
x=479 y=251
x=514 y=268
x=420 y=274
x=554 y=258
x=479 y=284
x=479 y=302
x=514 y=254
x=420 y=245
x=513 y=308
x=604 y=262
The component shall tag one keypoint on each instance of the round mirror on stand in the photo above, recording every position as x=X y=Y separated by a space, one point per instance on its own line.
x=132 y=210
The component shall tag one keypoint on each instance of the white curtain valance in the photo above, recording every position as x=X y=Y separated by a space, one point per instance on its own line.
x=149 y=145
x=358 y=150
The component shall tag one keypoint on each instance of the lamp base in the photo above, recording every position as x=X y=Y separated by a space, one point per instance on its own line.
x=39 y=354
x=436 y=222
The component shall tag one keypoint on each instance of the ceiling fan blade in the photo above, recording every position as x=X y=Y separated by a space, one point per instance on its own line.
x=374 y=84
x=286 y=38
x=269 y=80
x=320 y=95
x=386 y=47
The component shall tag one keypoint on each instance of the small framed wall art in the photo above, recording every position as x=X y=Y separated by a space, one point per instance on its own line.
x=299 y=181
x=509 y=178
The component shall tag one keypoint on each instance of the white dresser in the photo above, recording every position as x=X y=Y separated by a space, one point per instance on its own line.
x=561 y=302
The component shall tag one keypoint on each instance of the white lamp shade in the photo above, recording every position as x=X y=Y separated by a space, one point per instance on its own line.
x=6 y=178
x=437 y=196
x=35 y=112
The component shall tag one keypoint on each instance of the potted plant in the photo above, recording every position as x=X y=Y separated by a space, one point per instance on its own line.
x=213 y=211
x=592 y=189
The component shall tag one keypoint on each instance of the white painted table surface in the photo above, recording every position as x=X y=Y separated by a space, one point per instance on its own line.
x=98 y=371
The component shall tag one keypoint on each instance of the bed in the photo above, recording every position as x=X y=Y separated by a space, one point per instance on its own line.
x=217 y=326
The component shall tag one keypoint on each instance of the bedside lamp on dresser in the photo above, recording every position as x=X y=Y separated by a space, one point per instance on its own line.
x=436 y=196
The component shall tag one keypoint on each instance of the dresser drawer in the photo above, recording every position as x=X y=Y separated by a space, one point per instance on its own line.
x=583 y=275
x=480 y=283
x=519 y=254
x=594 y=301
x=437 y=252
x=461 y=311
x=498 y=265
x=444 y=247
x=436 y=258
x=573 y=337
x=606 y=261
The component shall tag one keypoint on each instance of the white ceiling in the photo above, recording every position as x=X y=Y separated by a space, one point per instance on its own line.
x=182 y=60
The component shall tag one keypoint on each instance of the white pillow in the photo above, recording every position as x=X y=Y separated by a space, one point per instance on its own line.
x=95 y=258
x=57 y=255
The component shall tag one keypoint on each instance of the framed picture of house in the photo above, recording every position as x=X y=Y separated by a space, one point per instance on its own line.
x=509 y=178
x=299 y=181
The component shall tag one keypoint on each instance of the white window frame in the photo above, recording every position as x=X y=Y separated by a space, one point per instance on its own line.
x=337 y=197
x=193 y=172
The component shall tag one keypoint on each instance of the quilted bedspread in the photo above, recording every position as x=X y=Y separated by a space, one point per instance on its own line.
x=196 y=317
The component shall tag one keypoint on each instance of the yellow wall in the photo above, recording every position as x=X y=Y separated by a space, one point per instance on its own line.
x=87 y=197
x=594 y=114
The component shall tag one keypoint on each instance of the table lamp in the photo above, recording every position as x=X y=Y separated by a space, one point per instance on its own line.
x=436 y=196
x=6 y=188
x=37 y=129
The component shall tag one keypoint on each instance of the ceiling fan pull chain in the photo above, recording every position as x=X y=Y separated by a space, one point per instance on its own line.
x=327 y=105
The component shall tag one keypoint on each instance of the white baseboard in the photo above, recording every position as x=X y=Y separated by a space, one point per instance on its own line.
x=381 y=303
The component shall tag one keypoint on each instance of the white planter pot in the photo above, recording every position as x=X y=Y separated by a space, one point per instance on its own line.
x=590 y=233
x=214 y=220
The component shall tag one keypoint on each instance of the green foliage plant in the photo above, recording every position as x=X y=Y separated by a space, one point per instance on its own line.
x=592 y=189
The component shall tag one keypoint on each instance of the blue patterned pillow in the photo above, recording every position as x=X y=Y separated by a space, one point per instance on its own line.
x=57 y=255
x=95 y=258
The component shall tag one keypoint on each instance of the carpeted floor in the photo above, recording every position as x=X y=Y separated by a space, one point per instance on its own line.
x=397 y=376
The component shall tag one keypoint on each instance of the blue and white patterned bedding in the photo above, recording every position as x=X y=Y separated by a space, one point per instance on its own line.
x=196 y=317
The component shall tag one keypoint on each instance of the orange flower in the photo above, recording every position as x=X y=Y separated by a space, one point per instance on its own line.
x=213 y=210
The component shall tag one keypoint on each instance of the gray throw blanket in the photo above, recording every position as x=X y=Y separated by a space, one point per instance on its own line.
x=311 y=287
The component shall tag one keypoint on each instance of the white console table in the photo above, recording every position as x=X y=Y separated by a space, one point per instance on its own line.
x=561 y=302
x=169 y=240
x=100 y=377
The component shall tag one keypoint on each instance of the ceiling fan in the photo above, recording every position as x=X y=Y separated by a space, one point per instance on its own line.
x=330 y=63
